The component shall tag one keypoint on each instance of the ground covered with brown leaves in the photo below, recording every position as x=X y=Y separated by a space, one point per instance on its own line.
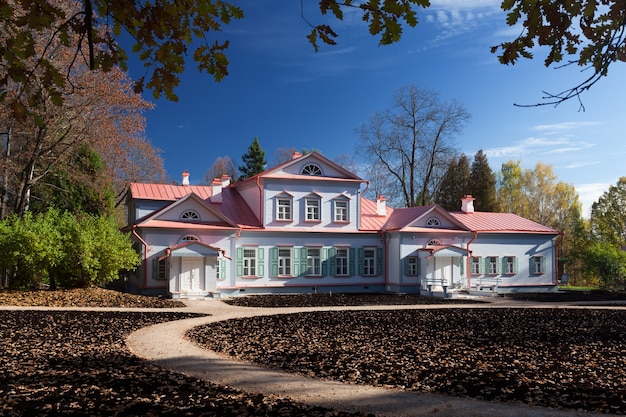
x=76 y=363
x=84 y=297
x=562 y=358
x=334 y=299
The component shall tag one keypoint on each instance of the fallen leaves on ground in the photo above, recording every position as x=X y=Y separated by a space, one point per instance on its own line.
x=84 y=297
x=562 y=358
x=338 y=299
x=76 y=363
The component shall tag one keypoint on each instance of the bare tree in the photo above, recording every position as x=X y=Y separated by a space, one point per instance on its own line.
x=223 y=165
x=414 y=141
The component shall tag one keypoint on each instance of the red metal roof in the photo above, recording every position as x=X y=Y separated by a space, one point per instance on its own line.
x=370 y=220
x=500 y=223
x=233 y=205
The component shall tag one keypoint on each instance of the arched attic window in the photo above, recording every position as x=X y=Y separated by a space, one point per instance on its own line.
x=190 y=215
x=433 y=222
x=311 y=169
x=189 y=238
x=434 y=242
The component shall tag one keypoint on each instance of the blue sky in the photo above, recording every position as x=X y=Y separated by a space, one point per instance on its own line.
x=284 y=93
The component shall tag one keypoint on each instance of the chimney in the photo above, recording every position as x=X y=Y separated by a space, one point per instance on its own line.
x=296 y=155
x=381 y=206
x=467 y=204
x=216 y=191
x=186 y=177
x=225 y=180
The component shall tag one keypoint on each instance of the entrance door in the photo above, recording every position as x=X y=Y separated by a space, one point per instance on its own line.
x=191 y=274
x=439 y=273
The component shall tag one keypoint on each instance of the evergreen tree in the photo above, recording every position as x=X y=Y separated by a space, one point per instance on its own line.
x=482 y=184
x=454 y=184
x=254 y=161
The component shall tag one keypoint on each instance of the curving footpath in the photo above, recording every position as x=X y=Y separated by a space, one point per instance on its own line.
x=165 y=345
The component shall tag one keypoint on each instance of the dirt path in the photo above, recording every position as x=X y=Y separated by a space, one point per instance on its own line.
x=165 y=345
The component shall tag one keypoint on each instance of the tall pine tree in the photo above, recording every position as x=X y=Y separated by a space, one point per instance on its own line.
x=482 y=184
x=254 y=161
x=454 y=184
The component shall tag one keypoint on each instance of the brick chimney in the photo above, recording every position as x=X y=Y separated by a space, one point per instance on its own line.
x=296 y=155
x=381 y=206
x=186 y=178
x=467 y=204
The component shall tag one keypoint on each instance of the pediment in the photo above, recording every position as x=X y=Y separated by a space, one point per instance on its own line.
x=191 y=209
x=312 y=165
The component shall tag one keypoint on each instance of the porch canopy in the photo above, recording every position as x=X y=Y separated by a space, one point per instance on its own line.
x=448 y=251
x=193 y=250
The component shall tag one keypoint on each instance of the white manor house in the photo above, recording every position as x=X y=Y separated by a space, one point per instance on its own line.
x=304 y=226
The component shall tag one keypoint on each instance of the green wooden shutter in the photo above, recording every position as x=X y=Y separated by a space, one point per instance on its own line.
x=260 y=262
x=462 y=265
x=419 y=266
x=485 y=263
x=352 y=261
x=361 y=261
x=406 y=265
x=379 y=261
x=155 y=268
x=543 y=265
x=324 y=262
x=274 y=261
x=516 y=265
x=303 y=261
x=239 y=261
x=332 y=261
x=222 y=273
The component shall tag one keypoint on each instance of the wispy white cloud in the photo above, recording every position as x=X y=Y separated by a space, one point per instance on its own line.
x=581 y=164
x=559 y=127
x=538 y=145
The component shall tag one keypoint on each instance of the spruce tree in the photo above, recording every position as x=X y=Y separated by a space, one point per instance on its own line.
x=254 y=161
x=454 y=184
x=482 y=184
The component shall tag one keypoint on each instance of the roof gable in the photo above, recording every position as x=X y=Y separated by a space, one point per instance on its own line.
x=296 y=168
x=431 y=217
x=191 y=203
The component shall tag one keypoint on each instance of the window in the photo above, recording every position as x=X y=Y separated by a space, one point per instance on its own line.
x=313 y=262
x=189 y=215
x=492 y=265
x=341 y=261
x=284 y=209
x=369 y=262
x=162 y=268
x=411 y=266
x=341 y=211
x=433 y=222
x=188 y=238
x=312 y=209
x=284 y=261
x=311 y=169
x=509 y=265
x=537 y=265
x=249 y=262
x=434 y=242
x=475 y=265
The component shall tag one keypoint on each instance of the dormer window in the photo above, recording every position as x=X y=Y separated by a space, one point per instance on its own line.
x=311 y=169
x=283 y=207
x=312 y=208
x=433 y=222
x=190 y=215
